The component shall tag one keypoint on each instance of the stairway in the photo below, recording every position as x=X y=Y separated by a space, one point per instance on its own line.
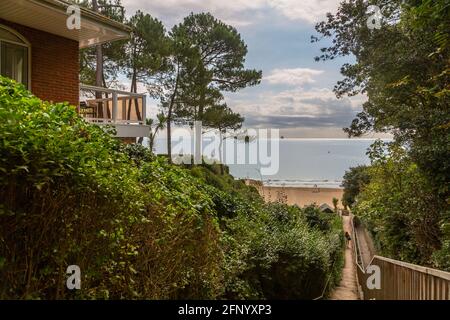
x=348 y=288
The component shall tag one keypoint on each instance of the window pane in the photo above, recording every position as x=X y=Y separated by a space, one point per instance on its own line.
x=14 y=64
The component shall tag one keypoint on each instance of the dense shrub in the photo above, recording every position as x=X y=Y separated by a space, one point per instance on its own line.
x=354 y=180
x=404 y=214
x=318 y=219
x=289 y=260
x=68 y=195
x=274 y=251
x=137 y=226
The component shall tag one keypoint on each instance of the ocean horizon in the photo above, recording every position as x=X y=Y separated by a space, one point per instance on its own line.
x=308 y=162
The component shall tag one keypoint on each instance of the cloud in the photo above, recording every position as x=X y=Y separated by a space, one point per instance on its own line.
x=299 y=107
x=307 y=10
x=288 y=97
x=236 y=12
x=315 y=108
x=293 y=77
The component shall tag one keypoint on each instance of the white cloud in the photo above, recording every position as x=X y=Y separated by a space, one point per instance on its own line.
x=288 y=102
x=307 y=10
x=289 y=105
x=293 y=77
x=236 y=12
x=315 y=108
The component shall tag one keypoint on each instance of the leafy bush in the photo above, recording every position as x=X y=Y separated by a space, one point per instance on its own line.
x=354 y=181
x=68 y=195
x=138 y=153
x=403 y=212
x=294 y=261
x=273 y=250
x=138 y=227
x=318 y=219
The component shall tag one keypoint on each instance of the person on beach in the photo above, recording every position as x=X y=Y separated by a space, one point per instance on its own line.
x=347 y=239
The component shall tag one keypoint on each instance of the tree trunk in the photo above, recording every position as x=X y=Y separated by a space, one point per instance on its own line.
x=108 y=111
x=198 y=138
x=151 y=141
x=220 y=153
x=133 y=89
x=98 y=69
x=169 y=135
x=99 y=66
x=169 y=116
x=136 y=102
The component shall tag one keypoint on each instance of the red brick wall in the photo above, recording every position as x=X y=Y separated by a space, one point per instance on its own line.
x=54 y=65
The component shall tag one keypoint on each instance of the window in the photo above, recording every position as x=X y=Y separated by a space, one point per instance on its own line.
x=14 y=56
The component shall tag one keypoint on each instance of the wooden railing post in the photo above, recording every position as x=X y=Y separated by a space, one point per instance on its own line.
x=114 y=106
x=144 y=108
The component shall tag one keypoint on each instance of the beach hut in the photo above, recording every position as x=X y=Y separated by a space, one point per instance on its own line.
x=326 y=208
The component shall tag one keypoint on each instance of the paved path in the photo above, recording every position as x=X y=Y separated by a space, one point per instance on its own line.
x=347 y=289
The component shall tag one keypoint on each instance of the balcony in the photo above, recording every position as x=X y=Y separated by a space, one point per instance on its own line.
x=123 y=110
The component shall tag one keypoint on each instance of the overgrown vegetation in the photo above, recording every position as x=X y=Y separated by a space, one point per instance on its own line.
x=403 y=69
x=138 y=227
x=396 y=202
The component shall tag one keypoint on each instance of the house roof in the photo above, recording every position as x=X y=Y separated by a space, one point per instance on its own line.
x=51 y=16
x=326 y=208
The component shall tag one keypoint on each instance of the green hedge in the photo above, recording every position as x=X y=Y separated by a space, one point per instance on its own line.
x=70 y=195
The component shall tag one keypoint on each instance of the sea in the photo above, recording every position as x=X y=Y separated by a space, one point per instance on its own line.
x=284 y=162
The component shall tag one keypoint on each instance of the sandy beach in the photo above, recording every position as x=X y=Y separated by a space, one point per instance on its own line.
x=301 y=196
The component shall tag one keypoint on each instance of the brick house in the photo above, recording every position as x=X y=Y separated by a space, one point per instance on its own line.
x=40 y=51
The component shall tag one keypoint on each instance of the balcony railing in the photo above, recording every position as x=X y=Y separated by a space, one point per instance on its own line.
x=107 y=106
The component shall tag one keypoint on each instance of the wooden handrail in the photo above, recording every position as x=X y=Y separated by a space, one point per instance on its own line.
x=109 y=99
x=357 y=246
x=405 y=281
x=107 y=90
x=434 y=272
x=112 y=109
x=401 y=280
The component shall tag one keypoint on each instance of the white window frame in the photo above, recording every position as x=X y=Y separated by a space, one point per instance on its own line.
x=25 y=44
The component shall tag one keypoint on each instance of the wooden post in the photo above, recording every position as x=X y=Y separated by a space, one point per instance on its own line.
x=114 y=107
x=144 y=108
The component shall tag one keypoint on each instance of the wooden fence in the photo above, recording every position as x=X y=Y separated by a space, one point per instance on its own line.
x=405 y=281
x=400 y=280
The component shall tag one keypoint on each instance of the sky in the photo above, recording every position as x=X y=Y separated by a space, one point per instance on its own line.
x=296 y=93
